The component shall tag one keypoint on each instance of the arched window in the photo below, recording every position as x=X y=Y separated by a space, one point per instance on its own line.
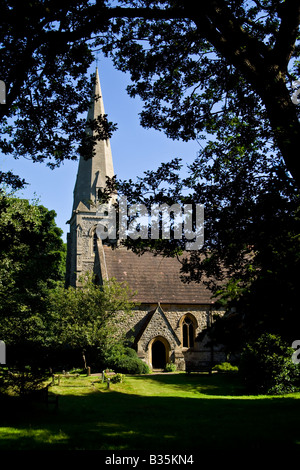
x=188 y=333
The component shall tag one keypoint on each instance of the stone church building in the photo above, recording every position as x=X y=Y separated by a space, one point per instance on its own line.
x=170 y=314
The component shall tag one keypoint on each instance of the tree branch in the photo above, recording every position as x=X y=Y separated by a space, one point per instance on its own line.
x=288 y=32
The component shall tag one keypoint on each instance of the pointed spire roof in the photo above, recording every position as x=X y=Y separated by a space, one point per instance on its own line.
x=91 y=175
x=97 y=105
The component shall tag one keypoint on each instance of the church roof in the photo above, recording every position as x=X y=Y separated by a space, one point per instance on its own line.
x=155 y=278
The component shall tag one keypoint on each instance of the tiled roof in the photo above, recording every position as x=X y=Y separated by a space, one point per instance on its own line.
x=155 y=278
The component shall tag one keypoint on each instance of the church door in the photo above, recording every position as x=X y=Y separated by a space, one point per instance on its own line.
x=158 y=355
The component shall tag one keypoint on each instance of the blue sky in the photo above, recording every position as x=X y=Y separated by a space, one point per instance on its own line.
x=134 y=150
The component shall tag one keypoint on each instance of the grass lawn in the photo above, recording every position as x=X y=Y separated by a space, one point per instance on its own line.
x=167 y=412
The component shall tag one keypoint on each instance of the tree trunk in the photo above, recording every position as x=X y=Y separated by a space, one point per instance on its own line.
x=264 y=69
x=282 y=114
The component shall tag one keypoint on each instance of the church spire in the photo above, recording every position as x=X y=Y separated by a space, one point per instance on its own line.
x=91 y=175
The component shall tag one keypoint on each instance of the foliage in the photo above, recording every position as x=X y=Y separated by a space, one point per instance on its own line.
x=266 y=366
x=90 y=318
x=126 y=361
x=231 y=70
x=251 y=244
x=115 y=378
x=225 y=367
x=170 y=367
x=32 y=262
x=31 y=248
x=22 y=382
x=47 y=91
x=229 y=77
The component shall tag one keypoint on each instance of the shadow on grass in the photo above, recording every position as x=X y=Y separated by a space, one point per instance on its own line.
x=112 y=420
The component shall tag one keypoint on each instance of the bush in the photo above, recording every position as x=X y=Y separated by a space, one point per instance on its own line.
x=117 y=378
x=126 y=361
x=114 y=379
x=170 y=367
x=266 y=366
x=225 y=367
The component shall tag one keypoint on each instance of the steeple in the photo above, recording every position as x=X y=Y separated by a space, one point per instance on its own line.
x=91 y=175
x=83 y=245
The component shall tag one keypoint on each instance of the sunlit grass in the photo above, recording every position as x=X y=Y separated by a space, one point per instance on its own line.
x=20 y=437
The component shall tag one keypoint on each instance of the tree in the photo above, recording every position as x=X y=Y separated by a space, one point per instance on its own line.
x=235 y=62
x=89 y=319
x=266 y=366
x=32 y=257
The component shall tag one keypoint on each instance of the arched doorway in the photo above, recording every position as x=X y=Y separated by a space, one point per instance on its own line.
x=158 y=355
x=160 y=350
